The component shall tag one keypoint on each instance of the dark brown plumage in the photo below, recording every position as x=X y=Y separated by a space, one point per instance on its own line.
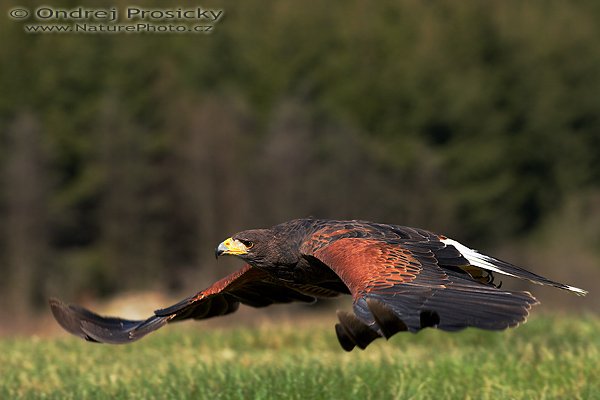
x=401 y=279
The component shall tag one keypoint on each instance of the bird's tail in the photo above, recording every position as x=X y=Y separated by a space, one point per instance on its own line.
x=502 y=267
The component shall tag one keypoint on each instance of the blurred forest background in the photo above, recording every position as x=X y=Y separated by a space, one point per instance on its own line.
x=125 y=159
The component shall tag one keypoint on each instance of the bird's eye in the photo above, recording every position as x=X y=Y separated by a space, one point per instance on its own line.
x=247 y=243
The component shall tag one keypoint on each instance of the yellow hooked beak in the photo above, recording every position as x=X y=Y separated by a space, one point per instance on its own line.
x=231 y=246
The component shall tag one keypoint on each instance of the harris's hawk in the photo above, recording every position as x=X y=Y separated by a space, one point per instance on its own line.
x=400 y=278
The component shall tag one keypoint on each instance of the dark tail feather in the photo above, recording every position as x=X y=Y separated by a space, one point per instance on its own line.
x=518 y=272
x=488 y=263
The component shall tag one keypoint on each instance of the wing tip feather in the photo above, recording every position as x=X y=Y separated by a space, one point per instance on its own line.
x=92 y=327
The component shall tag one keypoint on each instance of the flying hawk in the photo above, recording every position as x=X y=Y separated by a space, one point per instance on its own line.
x=400 y=278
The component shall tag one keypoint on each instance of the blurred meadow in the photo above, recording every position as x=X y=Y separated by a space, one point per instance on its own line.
x=548 y=358
x=125 y=159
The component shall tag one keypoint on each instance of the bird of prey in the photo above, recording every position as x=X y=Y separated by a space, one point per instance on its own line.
x=400 y=279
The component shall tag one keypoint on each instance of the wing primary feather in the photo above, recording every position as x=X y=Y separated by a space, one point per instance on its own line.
x=389 y=323
x=95 y=328
x=429 y=319
x=344 y=338
x=360 y=333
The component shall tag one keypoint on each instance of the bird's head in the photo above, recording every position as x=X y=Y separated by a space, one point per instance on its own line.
x=259 y=248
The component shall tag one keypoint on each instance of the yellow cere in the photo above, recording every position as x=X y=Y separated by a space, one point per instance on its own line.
x=234 y=247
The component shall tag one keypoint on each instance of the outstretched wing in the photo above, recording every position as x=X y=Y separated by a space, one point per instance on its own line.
x=249 y=286
x=407 y=279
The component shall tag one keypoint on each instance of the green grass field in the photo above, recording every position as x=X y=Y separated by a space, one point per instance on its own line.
x=545 y=359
